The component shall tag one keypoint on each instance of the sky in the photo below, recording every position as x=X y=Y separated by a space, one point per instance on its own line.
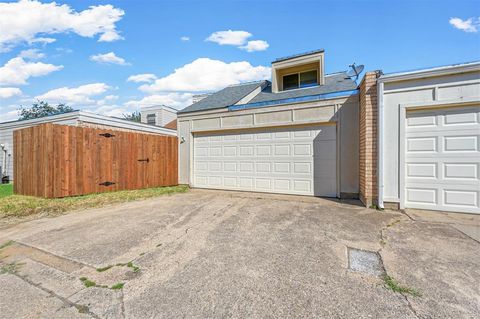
x=113 y=57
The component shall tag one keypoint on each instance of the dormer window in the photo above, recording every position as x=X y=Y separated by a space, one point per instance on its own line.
x=298 y=71
x=300 y=80
x=151 y=119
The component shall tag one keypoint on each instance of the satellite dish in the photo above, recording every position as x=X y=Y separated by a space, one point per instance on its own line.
x=355 y=71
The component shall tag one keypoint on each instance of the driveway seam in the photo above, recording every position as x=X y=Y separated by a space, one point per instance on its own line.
x=53 y=294
x=55 y=255
x=465 y=234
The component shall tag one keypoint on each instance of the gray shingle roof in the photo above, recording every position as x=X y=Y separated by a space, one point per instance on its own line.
x=223 y=98
x=333 y=83
x=336 y=82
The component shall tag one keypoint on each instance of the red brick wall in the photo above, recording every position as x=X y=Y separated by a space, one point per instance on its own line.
x=368 y=138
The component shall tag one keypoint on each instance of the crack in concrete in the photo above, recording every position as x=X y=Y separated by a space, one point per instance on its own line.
x=62 y=299
x=410 y=306
x=383 y=242
x=122 y=303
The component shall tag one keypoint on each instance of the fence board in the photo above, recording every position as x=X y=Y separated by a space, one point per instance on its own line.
x=59 y=160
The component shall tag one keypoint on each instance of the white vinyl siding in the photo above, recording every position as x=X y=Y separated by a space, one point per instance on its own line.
x=290 y=161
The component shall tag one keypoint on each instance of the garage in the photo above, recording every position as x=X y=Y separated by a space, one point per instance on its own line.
x=295 y=160
x=442 y=159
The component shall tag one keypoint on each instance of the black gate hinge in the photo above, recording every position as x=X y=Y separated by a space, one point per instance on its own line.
x=144 y=160
x=107 y=135
x=107 y=183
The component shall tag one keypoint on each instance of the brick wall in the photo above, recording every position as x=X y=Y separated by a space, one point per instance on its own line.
x=368 y=138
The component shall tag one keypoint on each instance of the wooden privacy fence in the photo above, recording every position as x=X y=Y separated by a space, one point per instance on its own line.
x=60 y=160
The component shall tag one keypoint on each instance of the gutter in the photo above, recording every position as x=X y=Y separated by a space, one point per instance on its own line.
x=308 y=98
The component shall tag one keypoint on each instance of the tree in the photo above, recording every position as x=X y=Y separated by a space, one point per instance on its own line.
x=41 y=109
x=134 y=116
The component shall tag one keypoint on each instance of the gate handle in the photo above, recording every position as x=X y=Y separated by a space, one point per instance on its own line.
x=144 y=160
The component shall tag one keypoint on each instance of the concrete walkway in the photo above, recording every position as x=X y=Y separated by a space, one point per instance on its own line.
x=227 y=254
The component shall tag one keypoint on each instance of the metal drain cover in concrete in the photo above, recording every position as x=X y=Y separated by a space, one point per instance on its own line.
x=365 y=261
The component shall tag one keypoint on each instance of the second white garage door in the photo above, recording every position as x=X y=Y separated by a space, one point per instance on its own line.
x=290 y=161
x=442 y=159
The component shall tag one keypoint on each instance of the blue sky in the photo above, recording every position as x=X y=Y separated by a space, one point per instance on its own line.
x=86 y=52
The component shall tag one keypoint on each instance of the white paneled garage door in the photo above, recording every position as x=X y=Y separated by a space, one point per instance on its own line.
x=290 y=161
x=442 y=159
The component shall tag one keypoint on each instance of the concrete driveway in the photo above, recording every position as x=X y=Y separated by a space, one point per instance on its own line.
x=225 y=254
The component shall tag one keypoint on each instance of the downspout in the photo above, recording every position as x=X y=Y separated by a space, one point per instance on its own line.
x=380 y=144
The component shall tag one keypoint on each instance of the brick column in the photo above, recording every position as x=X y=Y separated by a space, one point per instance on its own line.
x=368 y=139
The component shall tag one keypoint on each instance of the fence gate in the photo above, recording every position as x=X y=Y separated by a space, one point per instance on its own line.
x=61 y=160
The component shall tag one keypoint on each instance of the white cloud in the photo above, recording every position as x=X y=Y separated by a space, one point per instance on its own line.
x=146 y=77
x=469 y=25
x=111 y=110
x=108 y=58
x=23 y=21
x=255 y=45
x=176 y=100
x=32 y=54
x=11 y=115
x=17 y=71
x=185 y=38
x=81 y=95
x=107 y=99
x=205 y=74
x=229 y=37
x=6 y=93
x=238 y=39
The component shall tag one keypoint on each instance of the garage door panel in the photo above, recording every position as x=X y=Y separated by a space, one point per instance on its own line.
x=422 y=170
x=460 y=197
x=460 y=117
x=442 y=159
x=460 y=171
x=292 y=161
x=468 y=143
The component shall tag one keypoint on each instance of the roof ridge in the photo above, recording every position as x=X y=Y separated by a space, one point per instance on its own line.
x=246 y=83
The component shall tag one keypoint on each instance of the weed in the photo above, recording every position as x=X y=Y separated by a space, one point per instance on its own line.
x=82 y=308
x=393 y=223
x=134 y=268
x=88 y=283
x=117 y=286
x=6 y=244
x=394 y=286
x=104 y=268
x=9 y=268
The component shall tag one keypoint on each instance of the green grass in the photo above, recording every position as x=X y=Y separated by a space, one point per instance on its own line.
x=9 y=268
x=104 y=268
x=87 y=282
x=6 y=244
x=117 y=286
x=20 y=206
x=393 y=285
x=134 y=268
x=6 y=190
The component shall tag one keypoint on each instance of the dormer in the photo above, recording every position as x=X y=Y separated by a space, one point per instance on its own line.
x=298 y=71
